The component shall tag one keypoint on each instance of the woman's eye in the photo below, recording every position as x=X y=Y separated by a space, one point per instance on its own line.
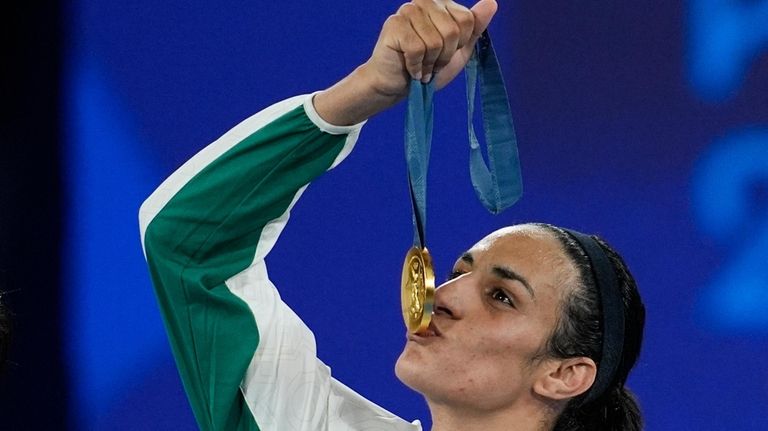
x=455 y=274
x=501 y=296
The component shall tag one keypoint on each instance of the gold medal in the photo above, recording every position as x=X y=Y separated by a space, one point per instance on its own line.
x=417 y=293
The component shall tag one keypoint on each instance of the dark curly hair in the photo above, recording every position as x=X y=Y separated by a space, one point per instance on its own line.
x=579 y=333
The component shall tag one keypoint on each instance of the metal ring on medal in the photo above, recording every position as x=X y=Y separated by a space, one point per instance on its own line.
x=417 y=293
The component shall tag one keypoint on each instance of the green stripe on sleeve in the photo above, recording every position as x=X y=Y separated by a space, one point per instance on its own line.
x=207 y=233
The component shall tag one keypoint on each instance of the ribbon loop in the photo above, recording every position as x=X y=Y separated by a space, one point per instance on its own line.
x=501 y=185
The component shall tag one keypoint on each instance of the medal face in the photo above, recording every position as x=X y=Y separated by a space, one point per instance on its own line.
x=418 y=289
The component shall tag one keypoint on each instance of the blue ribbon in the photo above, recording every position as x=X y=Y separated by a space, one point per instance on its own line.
x=501 y=186
x=418 y=143
x=498 y=186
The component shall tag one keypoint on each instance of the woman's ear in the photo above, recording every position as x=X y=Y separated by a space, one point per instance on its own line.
x=565 y=378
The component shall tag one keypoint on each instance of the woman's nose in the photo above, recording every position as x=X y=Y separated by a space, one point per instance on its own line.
x=448 y=297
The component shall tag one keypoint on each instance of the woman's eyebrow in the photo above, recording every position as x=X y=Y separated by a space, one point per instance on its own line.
x=502 y=272
x=508 y=274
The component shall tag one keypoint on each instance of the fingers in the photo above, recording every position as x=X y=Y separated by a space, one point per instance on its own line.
x=450 y=32
x=464 y=19
x=438 y=28
x=431 y=38
x=406 y=41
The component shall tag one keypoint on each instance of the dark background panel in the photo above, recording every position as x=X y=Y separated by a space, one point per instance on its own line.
x=31 y=216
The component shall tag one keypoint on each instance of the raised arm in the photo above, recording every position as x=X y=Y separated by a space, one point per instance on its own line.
x=216 y=218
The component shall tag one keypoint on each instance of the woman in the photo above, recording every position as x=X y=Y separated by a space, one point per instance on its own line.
x=523 y=337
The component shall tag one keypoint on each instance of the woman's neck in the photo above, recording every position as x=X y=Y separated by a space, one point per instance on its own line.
x=528 y=417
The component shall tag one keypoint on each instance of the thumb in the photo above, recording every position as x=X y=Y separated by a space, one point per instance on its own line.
x=483 y=11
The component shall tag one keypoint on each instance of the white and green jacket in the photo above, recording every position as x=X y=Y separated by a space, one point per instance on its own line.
x=247 y=361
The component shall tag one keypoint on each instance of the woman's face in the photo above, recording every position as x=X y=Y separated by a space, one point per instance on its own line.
x=492 y=319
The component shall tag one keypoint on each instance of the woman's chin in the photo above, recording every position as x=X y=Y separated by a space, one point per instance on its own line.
x=412 y=371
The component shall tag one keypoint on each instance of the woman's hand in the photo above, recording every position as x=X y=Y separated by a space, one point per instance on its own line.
x=424 y=38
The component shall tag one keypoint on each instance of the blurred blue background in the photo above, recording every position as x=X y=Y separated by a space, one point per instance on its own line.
x=646 y=123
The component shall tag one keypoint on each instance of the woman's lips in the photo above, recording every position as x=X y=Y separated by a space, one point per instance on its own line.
x=431 y=332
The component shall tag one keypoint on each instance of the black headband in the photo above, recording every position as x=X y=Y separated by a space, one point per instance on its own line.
x=612 y=307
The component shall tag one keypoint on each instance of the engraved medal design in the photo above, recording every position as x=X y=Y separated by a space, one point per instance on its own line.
x=418 y=289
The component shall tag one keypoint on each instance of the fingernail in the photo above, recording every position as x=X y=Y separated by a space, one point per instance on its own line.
x=417 y=75
x=427 y=78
